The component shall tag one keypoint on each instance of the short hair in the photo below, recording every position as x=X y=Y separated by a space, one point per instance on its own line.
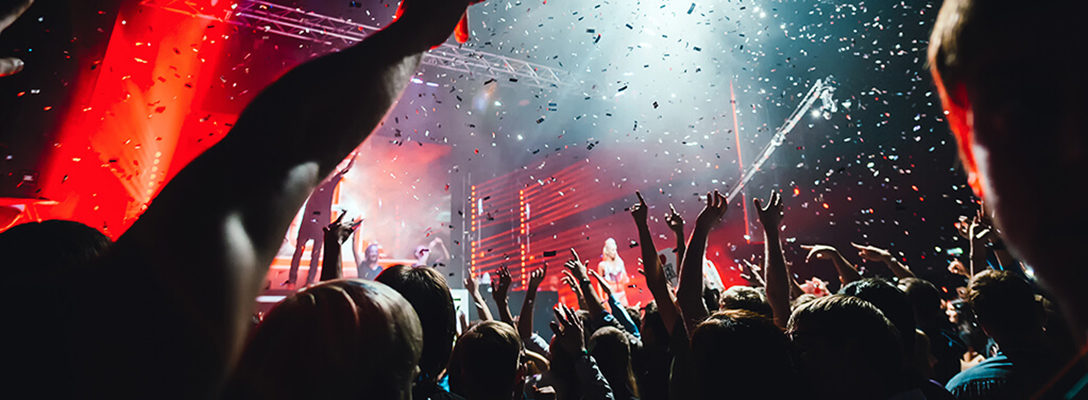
x=742 y=297
x=924 y=298
x=427 y=291
x=612 y=351
x=485 y=362
x=1004 y=304
x=891 y=301
x=744 y=351
x=50 y=249
x=840 y=322
x=346 y=338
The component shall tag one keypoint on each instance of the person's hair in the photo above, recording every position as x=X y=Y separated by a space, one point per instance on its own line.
x=712 y=298
x=612 y=351
x=485 y=362
x=925 y=299
x=743 y=351
x=742 y=297
x=339 y=339
x=802 y=299
x=891 y=301
x=50 y=249
x=426 y=289
x=1004 y=304
x=634 y=314
x=858 y=344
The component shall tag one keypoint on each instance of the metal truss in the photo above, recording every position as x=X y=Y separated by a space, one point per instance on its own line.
x=822 y=90
x=295 y=23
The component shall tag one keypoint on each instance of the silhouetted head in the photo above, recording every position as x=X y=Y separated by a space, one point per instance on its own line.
x=892 y=302
x=1005 y=306
x=426 y=289
x=486 y=363
x=742 y=297
x=1015 y=105
x=925 y=299
x=742 y=353
x=49 y=249
x=846 y=348
x=341 y=339
x=612 y=351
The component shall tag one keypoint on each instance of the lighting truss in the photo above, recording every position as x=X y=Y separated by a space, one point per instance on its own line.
x=822 y=90
x=299 y=24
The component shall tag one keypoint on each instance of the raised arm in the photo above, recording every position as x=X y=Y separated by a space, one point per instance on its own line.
x=499 y=291
x=778 y=279
x=653 y=268
x=525 y=319
x=847 y=272
x=477 y=300
x=203 y=247
x=615 y=307
x=581 y=277
x=689 y=292
x=676 y=225
x=335 y=235
x=872 y=253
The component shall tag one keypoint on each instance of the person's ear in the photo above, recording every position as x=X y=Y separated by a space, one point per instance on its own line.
x=958 y=112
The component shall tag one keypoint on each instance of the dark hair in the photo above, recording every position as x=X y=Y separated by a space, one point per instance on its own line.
x=426 y=289
x=1004 y=304
x=486 y=361
x=891 y=301
x=925 y=299
x=338 y=339
x=742 y=297
x=49 y=249
x=743 y=351
x=847 y=339
x=612 y=351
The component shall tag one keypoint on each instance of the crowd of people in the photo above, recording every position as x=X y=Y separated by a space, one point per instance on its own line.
x=148 y=317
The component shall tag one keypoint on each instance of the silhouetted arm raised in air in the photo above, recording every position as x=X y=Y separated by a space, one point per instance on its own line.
x=652 y=267
x=194 y=262
x=778 y=279
x=847 y=272
x=689 y=291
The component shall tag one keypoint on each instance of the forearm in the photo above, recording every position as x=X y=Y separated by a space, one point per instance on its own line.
x=504 y=310
x=481 y=306
x=899 y=269
x=680 y=246
x=593 y=302
x=525 y=319
x=778 y=280
x=330 y=261
x=978 y=257
x=847 y=272
x=689 y=293
x=621 y=315
x=655 y=278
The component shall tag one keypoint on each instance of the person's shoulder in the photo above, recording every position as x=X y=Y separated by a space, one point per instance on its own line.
x=989 y=373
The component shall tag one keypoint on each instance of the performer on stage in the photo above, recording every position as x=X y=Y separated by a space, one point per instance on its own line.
x=366 y=263
x=612 y=269
x=316 y=214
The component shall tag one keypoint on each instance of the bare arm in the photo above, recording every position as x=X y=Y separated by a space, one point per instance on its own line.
x=578 y=272
x=335 y=235
x=689 y=293
x=295 y=132
x=653 y=271
x=873 y=253
x=778 y=279
x=525 y=319
x=499 y=291
x=847 y=272
x=477 y=299
x=676 y=225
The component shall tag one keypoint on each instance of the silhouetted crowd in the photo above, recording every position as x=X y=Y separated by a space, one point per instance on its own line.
x=166 y=311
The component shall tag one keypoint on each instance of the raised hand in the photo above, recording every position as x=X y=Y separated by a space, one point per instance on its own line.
x=12 y=65
x=470 y=282
x=502 y=283
x=434 y=20
x=537 y=277
x=340 y=231
x=576 y=267
x=873 y=253
x=568 y=330
x=771 y=215
x=640 y=211
x=600 y=282
x=957 y=267
x=675 y=221
x=820 y=252
x=712 y=213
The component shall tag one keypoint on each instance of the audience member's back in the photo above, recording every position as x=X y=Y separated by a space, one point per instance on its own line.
x=342 y=339
x=743 y=354
x=944 y=342
x=612 y=351
x=426 y=289
x=846 y=348
x=486 y=363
